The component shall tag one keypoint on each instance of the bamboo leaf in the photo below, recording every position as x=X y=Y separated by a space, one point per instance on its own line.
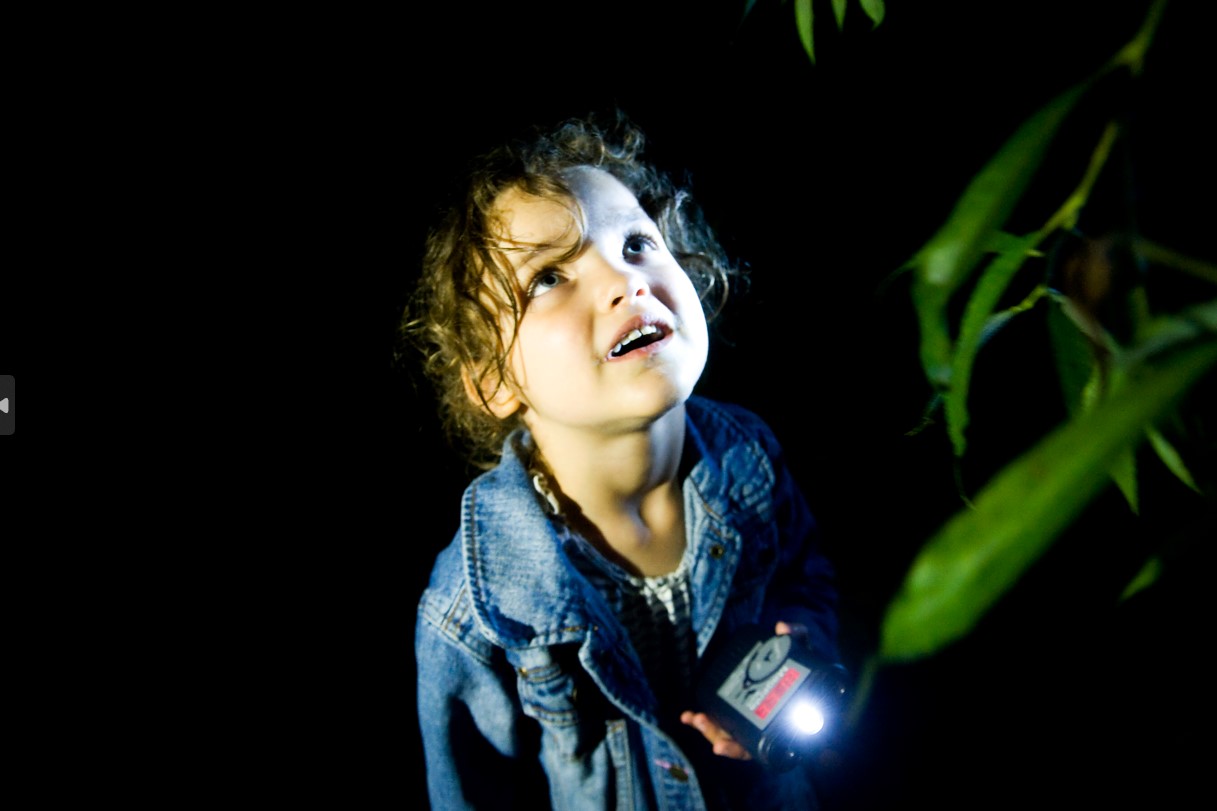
x=1133 y=54
x=1145 y=578
x=930 y=302
x=1124 y=474
x=991 y=195
x=802 y=22
x=1167 y=331
x=980 y=553
x=1082 y=386
x=1171 y=458
x=975 y=328
x=1162 y=255
x=874 y=9
x=838 y=10
x=1076 y=366
x=950 y=256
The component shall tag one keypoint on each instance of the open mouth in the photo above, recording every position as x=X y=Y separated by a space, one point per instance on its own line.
x=637 y=339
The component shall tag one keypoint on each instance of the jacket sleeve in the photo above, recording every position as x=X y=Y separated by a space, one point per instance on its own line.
x=803 y=590
x=476 y=740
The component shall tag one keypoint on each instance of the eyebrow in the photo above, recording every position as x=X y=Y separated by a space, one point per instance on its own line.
x=520 y=254
x=624 y=216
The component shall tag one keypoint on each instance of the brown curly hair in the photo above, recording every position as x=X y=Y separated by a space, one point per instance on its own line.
x=466 y=287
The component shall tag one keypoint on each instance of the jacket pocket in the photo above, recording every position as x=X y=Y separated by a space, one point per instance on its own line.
x=548 y=693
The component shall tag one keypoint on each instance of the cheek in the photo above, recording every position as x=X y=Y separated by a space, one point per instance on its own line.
x=690 y=309
x=540 y=348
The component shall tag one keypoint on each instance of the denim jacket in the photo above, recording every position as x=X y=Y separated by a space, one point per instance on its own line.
x=529 y=687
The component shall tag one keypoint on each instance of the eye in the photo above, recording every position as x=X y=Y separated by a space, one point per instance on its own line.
x=545 y=280
x=636 y=244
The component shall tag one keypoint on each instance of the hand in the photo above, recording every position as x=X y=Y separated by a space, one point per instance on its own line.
x=721 y=740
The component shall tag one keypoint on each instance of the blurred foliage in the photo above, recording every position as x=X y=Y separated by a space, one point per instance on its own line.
x=1125 y=365
x=1126 y=360
x=804 y=16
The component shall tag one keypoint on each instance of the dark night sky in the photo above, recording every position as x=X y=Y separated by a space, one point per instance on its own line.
x=229 y=207
x=824 y=180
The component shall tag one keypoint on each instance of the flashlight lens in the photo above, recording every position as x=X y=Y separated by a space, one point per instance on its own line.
x=806 y=717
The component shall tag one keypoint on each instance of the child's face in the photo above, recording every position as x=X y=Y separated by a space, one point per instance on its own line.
x=580 y=363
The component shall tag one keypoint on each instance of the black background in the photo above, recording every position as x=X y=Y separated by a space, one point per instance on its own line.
x=824 y=180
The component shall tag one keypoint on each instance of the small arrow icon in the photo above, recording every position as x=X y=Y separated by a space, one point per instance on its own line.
x=4 y=405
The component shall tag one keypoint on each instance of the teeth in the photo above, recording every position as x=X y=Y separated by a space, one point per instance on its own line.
x=635 y=334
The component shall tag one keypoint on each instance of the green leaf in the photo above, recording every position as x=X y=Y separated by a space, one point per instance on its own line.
x=802 y=21
x=991 y=195
x=874 y=9
x=1166 y=331
x=1171 y=458
x=980 y=553
x=1133 y=54
x=975 y=328
x=1082 y=386
x=838 y=10
x=1076 y=366
x=930 y=302
x=1145 y=578
x=949 y=257
x=1124 y=474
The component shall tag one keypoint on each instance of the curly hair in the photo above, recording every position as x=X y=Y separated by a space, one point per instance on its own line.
x=466 y=290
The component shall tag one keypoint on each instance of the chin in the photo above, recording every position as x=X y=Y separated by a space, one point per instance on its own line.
x=660 y=407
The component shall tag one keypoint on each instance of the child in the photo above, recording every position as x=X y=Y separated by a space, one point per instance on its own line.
x=623 y=522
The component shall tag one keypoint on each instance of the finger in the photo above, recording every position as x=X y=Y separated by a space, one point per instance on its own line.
x=701 y=722
x=721 y=742
x=731 y=749
x=795 y=629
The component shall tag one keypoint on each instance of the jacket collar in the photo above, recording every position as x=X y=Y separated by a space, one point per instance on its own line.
x=525 y=591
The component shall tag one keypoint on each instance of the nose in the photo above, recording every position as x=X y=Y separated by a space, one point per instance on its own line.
x=633 y=288
x=619 y=282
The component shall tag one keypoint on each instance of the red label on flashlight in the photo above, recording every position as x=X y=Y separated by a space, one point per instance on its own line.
x=789 y=678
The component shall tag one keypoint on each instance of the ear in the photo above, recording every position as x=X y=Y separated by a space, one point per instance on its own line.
x=499 y=397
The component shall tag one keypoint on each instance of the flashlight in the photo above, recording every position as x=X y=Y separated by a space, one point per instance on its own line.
x=775 y=697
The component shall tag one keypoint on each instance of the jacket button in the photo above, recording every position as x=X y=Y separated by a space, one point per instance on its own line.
x=717 y=550
x=678 y=774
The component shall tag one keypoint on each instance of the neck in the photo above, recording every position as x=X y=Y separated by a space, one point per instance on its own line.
x=622 y=491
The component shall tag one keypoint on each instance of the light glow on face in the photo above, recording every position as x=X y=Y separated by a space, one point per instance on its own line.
x=611 y=335
x=806 y=717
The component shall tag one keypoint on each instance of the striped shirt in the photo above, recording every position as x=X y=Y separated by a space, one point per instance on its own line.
x=655 y=611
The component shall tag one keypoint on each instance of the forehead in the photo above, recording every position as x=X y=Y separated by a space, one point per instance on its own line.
x=598 y=200
x=604 y=198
